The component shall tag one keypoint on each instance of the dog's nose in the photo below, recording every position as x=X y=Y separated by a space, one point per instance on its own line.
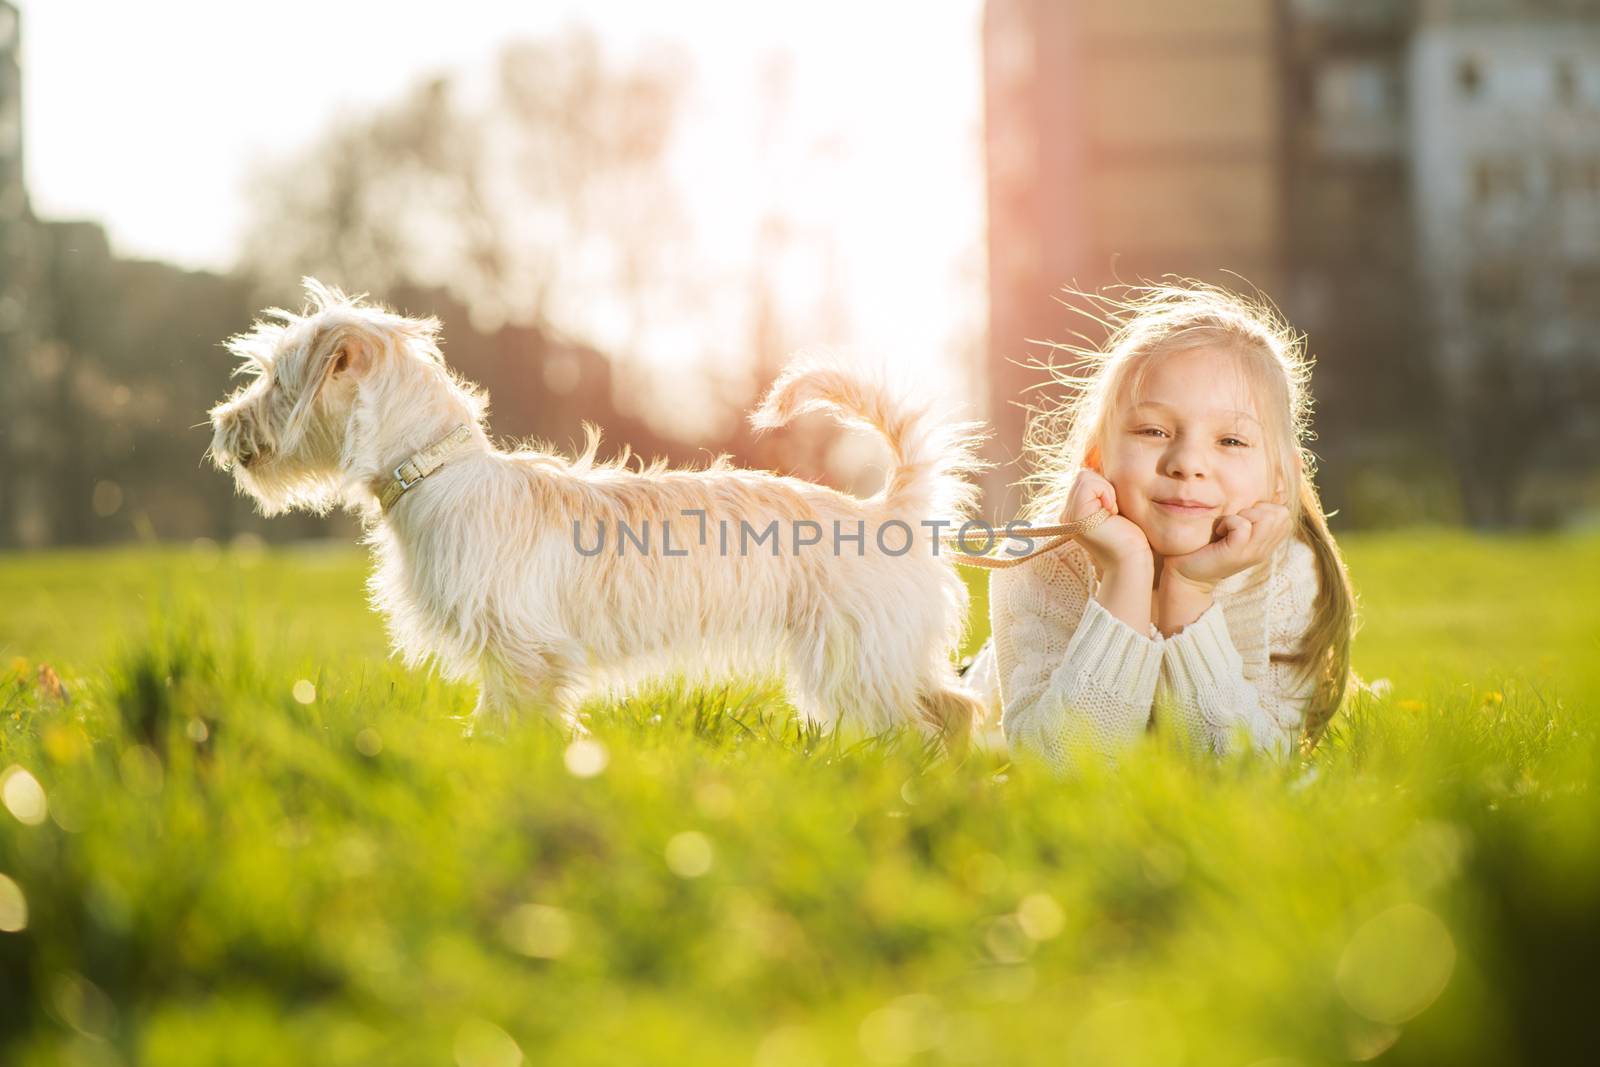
x=250 y=452
x=235 y=443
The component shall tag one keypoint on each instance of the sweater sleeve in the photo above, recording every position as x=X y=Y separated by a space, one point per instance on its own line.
x=1213 y=697
x=1070 y=672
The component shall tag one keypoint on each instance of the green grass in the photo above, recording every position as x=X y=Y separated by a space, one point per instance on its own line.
x=231 y=871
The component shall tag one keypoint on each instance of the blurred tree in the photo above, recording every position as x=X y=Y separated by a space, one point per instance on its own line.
x=161 y=370
x=126 y=363
x=78 y=278
x=548 y=205
x=780 y=315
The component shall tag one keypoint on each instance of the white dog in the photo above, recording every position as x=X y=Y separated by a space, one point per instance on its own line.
x=487 y=560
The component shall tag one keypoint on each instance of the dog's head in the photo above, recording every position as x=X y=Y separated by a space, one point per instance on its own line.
x=335 y=393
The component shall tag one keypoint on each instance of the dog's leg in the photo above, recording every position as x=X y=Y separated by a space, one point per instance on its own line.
x=528 y=684
x=497 y=707
x=821 y=677
x=951 y=714
x=830 y=686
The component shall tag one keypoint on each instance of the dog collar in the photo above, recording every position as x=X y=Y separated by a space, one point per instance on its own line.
x=421 y=465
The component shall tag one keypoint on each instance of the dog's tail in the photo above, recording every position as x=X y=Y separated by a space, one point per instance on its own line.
x=933 y=457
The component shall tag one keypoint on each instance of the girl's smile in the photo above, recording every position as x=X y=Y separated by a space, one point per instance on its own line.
x=1185 y=508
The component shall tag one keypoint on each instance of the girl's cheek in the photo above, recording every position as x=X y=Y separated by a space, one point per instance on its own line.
x=1125 y=490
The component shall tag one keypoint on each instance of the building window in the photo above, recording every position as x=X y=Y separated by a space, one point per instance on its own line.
x=1357 y=89
x=1583 y=287
x=1469 y=76
x=10 y=128
x=1494 y=286
x=1566 y=82
x=1579 y=176
x=1496 y=178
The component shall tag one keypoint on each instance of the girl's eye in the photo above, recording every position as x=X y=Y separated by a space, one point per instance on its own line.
x=1230 y=441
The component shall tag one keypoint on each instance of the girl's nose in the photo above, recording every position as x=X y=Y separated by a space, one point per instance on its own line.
x=1184 y=461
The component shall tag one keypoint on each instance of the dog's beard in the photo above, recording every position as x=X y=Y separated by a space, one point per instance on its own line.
x=277 y=491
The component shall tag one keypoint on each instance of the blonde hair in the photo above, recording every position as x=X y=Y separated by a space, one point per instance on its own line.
x=1153 y=320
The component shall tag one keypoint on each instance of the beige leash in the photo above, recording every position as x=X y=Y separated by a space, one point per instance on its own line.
x=1059 y=536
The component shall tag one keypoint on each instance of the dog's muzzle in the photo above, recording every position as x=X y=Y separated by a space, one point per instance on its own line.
x=234 y=442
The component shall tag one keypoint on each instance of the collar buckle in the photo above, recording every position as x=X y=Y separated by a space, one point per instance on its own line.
x=406 y=481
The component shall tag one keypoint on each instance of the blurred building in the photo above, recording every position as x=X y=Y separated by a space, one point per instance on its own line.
x=1417 y=185
x=20 y=296
x=1505 y=153
x=1506 y=182
x=14 y=213
x=1350 y=244
x=1124 y=140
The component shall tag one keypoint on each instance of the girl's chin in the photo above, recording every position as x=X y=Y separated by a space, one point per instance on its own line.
x=1175 y=535
x=1178 y=545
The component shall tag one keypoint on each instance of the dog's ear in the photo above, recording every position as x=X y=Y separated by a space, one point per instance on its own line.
x=343 y=350
x=351 y=357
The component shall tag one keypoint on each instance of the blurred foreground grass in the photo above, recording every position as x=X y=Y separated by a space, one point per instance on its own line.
x=235 y=833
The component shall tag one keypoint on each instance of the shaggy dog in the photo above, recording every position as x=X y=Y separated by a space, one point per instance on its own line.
x=542 y=576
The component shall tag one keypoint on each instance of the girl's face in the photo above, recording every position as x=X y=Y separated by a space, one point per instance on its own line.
x=1187 y=450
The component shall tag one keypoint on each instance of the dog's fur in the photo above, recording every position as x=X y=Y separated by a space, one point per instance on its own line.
x=477 y=567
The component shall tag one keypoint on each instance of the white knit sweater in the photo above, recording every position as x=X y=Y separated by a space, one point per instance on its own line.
x=1059 y=666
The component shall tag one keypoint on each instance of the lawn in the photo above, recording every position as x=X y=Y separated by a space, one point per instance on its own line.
x=235 y=832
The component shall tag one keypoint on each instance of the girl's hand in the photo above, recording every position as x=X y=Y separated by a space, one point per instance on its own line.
x=1240 y=542
x=1117 y=543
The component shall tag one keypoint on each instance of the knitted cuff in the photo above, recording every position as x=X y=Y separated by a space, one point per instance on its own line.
x=1115 y=655
x=1201 y=656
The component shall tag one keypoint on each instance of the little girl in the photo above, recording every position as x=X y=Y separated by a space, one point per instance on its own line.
x=1214 y=602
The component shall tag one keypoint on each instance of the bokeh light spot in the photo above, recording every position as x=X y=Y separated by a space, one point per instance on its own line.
x=1126 y=1031
x=23 y=796
x=586 y=758
x=13 y=906
x=369 y=742
x=107 y=499
x=1004 y=940
x=538 y=930
x=715 y=800
x=689 y=854
x=1040 y=917
x=907 y=1026
x=480 y=1043
x=788 y=1046
x=82 y=1006
x=1397 y=964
